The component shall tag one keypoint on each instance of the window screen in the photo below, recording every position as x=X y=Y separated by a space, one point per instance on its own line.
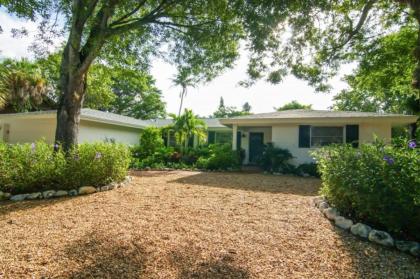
x=322 y=136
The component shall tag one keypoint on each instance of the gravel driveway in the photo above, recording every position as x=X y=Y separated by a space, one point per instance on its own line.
x=189 y=225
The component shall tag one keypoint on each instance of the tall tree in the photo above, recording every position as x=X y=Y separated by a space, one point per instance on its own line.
x=229 y=111
x=22 y=87
x=136 y=95
x=381 y=82
x=186 y=126
x=293 y=105
x=200 y=35
x=184 y=80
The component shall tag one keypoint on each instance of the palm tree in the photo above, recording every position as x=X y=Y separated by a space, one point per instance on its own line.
x=186 y=126
x=21 y=86
x=183 y=79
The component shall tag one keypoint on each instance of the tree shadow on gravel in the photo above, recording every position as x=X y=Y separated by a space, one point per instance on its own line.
x=189 y=265
x=254 y=182
x=101 y=256
x=371 y=260
x=10 y=206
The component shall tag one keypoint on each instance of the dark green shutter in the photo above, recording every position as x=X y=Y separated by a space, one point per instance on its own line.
x=211 y=137
x=352 y=135
x=238 y=140
x=304 y=136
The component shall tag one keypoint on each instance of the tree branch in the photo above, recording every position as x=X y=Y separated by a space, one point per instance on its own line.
x=121 y=19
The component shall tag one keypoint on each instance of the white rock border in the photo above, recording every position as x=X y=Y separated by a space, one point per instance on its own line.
x=48 y=194
x=364 y=231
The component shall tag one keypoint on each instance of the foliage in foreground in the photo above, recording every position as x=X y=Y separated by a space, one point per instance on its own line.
x=35 y=167
x=375 y=183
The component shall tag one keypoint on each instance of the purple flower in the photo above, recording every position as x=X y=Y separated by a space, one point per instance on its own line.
x=389 y=160
x=412 y=144
x=98 y=155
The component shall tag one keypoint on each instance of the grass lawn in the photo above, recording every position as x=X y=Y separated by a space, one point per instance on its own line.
x=189 y=225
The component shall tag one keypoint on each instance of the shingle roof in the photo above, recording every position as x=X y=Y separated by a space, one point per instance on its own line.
x=210 y=122
x=306 y=113
x=90 y=115
x=113 y=118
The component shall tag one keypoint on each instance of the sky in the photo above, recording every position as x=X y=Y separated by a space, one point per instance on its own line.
x=204 y=98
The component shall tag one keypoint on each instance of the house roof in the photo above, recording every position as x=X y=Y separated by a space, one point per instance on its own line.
x=307 y=114
x=210 y=122
x=86 y=114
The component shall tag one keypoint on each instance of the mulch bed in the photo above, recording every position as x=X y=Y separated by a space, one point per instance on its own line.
x=189 y=225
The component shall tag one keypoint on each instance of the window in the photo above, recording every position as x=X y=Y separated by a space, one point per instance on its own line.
x=224 y=137
x=321 y=136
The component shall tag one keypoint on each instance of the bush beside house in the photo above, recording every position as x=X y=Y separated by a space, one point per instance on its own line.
x=374 y=183
x=26 y=168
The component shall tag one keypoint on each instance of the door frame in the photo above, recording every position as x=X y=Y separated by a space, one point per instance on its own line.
x=249 y=146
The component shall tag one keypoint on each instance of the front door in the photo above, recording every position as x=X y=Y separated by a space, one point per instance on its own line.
x=256 y=146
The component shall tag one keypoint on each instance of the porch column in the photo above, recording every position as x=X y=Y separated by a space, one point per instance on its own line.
x=234 y=137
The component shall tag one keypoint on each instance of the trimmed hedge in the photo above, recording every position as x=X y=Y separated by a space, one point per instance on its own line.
x=26 y=168
x=375 y=183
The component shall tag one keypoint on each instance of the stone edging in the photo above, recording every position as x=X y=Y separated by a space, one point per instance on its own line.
x=63 y=193
x=364 y=231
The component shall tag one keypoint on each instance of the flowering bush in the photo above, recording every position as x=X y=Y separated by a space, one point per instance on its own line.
x=35 y=167
x=375 y=183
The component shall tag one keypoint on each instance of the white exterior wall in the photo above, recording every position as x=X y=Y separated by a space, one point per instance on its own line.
x=368 y=130
x=25 y=130
x=287 y=136
x=93 y=131
x=29 y=130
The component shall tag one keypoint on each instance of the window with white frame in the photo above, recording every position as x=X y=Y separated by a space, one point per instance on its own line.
x=325 y=135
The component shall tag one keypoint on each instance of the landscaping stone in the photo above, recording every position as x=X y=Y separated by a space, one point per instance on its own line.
x=7 y=195
x=20 y=197
x=61 y=193
x=405 y=246
x=111 y=186
x=34 y=196
x=73 y=192
x=381 y=237
x=48 y=194
x=361 y=230
x=415 y=251
x=323 y=205
x=343 y=223
x=331 y=213
x=317 y=200
x=105 y=188
x=87 y=190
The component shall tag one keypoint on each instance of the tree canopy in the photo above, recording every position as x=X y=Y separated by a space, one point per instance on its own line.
x=382 y=80
x=293 y=105
x=230 y=111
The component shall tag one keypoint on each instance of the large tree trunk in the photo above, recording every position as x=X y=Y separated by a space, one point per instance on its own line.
x=72 y=87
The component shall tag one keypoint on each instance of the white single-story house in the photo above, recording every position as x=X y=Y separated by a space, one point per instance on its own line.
x=95 y=125
x=299 y=131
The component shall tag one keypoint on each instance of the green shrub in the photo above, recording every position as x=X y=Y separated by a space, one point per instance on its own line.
x=35 y=167
x=221 y=157
x=97 y=164
x=276 y=159
x=308 y=168
x=375 y=183
x=151 y=141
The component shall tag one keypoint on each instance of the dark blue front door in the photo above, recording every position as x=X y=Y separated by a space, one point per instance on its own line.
x=256 y=146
